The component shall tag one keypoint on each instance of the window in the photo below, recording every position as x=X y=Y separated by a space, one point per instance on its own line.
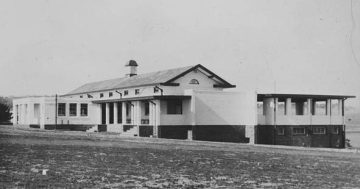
x=137 y=91
x=126 y=92
x=84 y=109
x=61 y=109
x=336 y=130
x=194 y=82
x=299 y=131
x=174 y=107
x=81 y=96
x=281 y=131
x=101 y=95
x=73 y=109
x=147 y=109
x=319 y=130
x=110 y=94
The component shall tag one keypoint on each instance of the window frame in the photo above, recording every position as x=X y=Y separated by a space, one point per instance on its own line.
x=70 y=110
x=101 y=95
x=336 y=130
x=173 y=109
x=298 y=133
x=81 y=110
x=194 y=82
x=137 y=91
x=126 y=92
x=282 y=129
x=64 y=108
x=318 y=129
x=110 y=94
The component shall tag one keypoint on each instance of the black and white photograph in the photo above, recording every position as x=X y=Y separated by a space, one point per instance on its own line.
x=153 y=94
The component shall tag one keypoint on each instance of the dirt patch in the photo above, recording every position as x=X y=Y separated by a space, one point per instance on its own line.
x=87 y=162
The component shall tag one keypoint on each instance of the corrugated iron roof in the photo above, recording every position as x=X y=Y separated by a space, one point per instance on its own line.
x=134 y=81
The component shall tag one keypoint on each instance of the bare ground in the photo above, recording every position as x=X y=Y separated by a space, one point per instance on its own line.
x=76 y=160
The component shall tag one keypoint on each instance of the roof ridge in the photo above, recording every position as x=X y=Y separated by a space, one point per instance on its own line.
x=89 y=87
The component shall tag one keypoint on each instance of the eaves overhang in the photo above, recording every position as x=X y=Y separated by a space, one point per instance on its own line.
x=143 y=98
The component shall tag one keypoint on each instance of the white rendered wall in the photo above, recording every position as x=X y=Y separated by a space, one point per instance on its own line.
x=224 y=108
x=46 y=111
x=175 y=119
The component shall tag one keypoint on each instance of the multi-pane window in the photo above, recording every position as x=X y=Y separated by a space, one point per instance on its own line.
x=110 y=94
x=84 y=109
x=281 y=131
x=299 y=131
x=174 y=107
x=137 y=91
x=101 y=95
x=319 y=130
x=73 y=107
x=61 y=109
x=126 y=92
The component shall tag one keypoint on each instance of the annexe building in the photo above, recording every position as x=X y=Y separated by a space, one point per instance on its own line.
x=189 y=103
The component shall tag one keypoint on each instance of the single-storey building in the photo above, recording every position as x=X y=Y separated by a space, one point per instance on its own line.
x=186 y=103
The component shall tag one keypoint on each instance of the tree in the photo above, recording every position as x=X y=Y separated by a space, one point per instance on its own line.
x=5 y=113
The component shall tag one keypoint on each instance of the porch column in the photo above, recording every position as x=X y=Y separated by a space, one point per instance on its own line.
x=115 y=113
x=328 y=107
x=340 y=104
x=313 y=107
x=308 y=106
x=269 y=107
x=276 y=106
x=138 y=113
x=107 y=114
x=30 y=113
x=14 y=114
x=123 y=112
x=156 y=118
x=42 y=115
x=20 y=113
x=26 y=120
x=288 y=106
x=151 y=113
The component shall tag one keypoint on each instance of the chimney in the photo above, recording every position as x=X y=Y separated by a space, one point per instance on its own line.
x=133 y=70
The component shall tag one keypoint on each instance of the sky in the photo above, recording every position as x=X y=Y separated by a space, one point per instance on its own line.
x=53 y=46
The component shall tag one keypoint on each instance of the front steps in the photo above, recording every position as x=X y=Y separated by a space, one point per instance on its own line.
x=133 y=132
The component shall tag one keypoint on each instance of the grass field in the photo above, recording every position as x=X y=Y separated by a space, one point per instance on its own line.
x=76 y=160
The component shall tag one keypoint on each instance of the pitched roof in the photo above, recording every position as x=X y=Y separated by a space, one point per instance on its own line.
x=153 y=78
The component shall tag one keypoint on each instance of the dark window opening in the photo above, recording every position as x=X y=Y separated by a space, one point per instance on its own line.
x=84 y=109
x=147 y=108
x=101 y=95
x=61 y=109
x=126 y=92
x=73 y=108
x=174 y=107
x=111 y=113
x=137 y=91
x=110 y=94
x=81 y=96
